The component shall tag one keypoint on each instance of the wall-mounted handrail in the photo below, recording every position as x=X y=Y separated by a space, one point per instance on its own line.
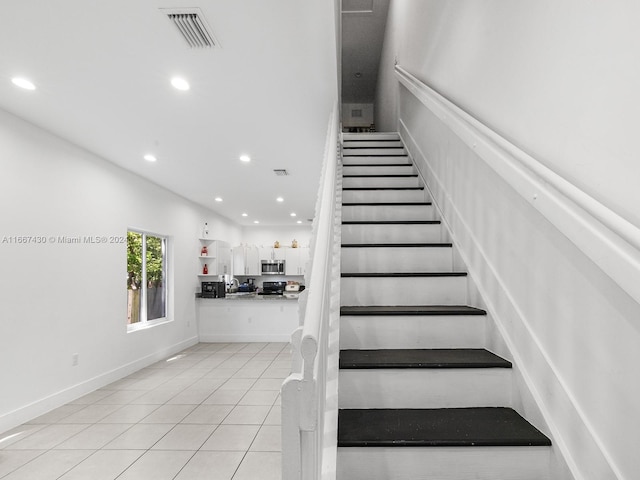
x=592 y=226
x=304 y=392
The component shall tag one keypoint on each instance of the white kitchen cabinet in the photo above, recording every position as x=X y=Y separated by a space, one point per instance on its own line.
x=246 y=260
x=218 y=258
x=270 y=253
x=296 y=260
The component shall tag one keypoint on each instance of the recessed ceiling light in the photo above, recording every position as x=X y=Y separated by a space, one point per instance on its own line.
x=218 y=199
x=292 y=214
x=23 y=83
x=299 y=221
x=279 y=199
x=256 y=221
x=180 y=83
x=245 y=158
x=245 y=215
x=150 y=158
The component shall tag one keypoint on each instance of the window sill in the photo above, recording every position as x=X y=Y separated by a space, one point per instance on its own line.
x=136 y=327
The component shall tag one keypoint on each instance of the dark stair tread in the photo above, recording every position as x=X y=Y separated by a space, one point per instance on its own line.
x=389 y=175
x=377 y=154
x=421 y=358
x=379 y=164
x=392 y=222
x=406 y=274
x=381 y=188
x=397 y=245
x=390 y=310
x=442 y=427
x=383 y=204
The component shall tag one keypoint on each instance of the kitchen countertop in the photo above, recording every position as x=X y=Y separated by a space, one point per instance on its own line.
x=254 y=296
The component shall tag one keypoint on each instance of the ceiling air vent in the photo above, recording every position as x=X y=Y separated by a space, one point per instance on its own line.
x=281 y=172
x=192 y=26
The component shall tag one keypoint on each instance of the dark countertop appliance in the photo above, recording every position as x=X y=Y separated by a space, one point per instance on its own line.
x=273 y=288
x=213 y=290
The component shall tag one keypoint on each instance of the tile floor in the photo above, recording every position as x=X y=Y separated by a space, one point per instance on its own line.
x=211 y=412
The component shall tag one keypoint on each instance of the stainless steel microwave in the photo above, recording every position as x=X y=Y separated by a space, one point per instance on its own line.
x=272 y=267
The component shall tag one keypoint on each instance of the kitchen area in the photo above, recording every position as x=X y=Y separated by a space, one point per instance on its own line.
x=249 y=292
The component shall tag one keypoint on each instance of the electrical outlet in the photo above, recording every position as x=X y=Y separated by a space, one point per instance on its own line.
x=74 y=359
x=249 y=319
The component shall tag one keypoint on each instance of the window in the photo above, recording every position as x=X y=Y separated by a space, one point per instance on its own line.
x=146 y=277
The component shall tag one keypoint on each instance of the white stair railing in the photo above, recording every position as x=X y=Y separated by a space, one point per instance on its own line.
x=309 y=394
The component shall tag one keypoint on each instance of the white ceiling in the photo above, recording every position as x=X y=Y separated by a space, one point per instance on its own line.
x=103 y=69
x=363 y=26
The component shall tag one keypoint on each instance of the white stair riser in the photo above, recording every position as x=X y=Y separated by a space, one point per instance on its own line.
x=376 y=182
x=396 y=259
x=372 y=233
x=443 y=463
x=370 y=136
x=412 y=331
x=425 y=388
x=387 y=212
x=373 y=151
x=379 y=291
x=360 y=160
x=371 y=143
x=378 y=170
x=384 y=196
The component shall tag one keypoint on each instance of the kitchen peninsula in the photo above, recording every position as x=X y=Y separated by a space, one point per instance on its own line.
x=247 y=317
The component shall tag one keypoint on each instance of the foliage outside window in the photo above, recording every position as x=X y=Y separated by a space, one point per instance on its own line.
x=146 y=277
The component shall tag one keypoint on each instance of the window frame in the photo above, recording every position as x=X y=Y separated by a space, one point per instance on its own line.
x=144 y=323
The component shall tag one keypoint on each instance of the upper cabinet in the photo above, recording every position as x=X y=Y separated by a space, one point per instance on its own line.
x=217 y=258
x=296 y=260
x=270 y=253
x=246 y=260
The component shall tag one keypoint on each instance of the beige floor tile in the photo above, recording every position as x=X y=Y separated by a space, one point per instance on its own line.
x=139 y=436
x=90 y=414
x=247 y=415
x=260 y=465
x=185 y=437
x=208 y=414
x=267 y=384
x=274 y=417
x=259 y=397
x=58 y=414
x=158 y=396
x=19 y=433
x=121 y=397
x=231 y=438
x=47 y=437
x=157 y=465
x=169 y=414
x=267 y=439
x=238 y=384
x=92 y=397
x=11 y=460
x=103 y=465
x=225 y=397
x=130 y=414
x=94 y=437
x=211 y=466
x=50 y=465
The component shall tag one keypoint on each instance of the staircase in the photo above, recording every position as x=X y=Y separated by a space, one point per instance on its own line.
x=419 y=395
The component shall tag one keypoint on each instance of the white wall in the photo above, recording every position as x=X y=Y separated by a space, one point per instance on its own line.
x=558 y=80
x=57 y=300
x=266 y=236
x=367 y=114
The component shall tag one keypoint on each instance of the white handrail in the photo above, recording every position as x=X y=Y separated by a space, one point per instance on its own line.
x=591 y=225
x=304 y=392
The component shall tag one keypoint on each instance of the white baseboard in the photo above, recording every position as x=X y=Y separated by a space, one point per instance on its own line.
x=240 y=338
x=40 y=407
